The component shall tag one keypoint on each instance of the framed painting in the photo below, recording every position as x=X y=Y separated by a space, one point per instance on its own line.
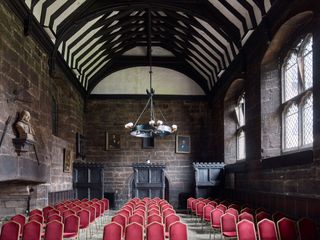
x=182 y=144
x=67 y=159
x=112 y=141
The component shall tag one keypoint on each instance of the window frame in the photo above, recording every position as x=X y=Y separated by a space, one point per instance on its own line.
x=240 y=128
x=299 y=99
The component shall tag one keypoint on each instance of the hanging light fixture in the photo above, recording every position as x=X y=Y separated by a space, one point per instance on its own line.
x=155 y=127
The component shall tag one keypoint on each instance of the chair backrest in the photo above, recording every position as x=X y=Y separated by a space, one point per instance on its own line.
x=247 y=216
x=72 y=224
x=167 y=212
x=276 y=216
x=206 y=212
x=213 y=203
x=222 y=207
x=215 y=216
x=199 y=208
x=31 y=231
x=54 y=231
x=178 y=231
x=170 y=219
x=54 y=217
x=287 y=229
x=124 y=212
x=76 y=209
x=92 y=211
x=247 y=210
x=134 y=231
x=36 y=217
x=67 y=213
x=235 y=206
x=35 y=211
x=137 y=219
x=155 y=231
x=106 y=203
x=154 y=218
x=84 y=216
x=267 y=230
x=234 y=212
x=21 y=219
x=189 y=202
x=260 y=209
x=193 y=205
x=153 y=211
x=10 y=231
x=53 y=211
x=262 y=215
x=307 y=229
x=228 y=225
x=97 y=206
x=121 y=220
x=112 y=231
x=46 y=210
x=246 y=230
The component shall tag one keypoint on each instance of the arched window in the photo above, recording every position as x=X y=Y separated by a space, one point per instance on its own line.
x=297 y=99
x=240 y=133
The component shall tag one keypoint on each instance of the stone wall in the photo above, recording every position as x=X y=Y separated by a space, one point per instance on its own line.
x=25 y=84
x=110 y=115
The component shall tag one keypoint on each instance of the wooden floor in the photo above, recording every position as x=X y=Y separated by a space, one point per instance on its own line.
x=195 y=231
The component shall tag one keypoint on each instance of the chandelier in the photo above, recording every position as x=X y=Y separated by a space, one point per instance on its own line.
x=155 y=127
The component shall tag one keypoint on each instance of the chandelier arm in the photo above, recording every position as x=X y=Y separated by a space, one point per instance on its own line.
x=162 y=115
x=145 y=107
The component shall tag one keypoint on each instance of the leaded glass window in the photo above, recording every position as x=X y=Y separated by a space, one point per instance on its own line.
x=297 y=100
x=241 y=137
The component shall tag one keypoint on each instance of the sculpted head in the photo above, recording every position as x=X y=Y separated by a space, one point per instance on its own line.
x=25 y=116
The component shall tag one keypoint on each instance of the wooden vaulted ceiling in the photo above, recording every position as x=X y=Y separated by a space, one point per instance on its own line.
x=93 y=37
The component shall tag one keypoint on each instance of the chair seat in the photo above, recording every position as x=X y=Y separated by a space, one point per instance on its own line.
x=230 y=234
x=215 y=226
x=70 y=234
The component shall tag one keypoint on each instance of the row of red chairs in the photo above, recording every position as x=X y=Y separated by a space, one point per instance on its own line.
x=63 y=220
x=153 y=218
x=229 y=223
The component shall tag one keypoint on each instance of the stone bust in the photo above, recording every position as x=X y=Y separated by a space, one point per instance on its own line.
x=23 y=126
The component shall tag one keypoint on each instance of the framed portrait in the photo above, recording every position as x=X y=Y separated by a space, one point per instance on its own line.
x=67 y=159
x=147 y=143
x=112 y=141
x=183 y=144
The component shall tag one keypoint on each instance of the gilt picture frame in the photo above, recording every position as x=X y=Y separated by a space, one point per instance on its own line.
x=113 y=141
x=183 y=144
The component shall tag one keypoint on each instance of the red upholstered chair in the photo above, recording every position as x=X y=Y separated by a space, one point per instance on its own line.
x=155 y=231
x=260 y=209
x=36 y=211
x=140 y=212
x=276 y=216
x=213 y=203
x=307 y=229
x=84 y=216
x=206 y=212
x=206 y=201
x=76 y=209
x=228 y=225
x=125 y=213
x=36 y=217
x=154 y=218
x=165 y=207
x=54 y=211
x=112 y=231
x=247 y=210
x=167 y=212
x=287 y=229
x=267 y=230
x=199 y=209
x=246 y=230
x=247 y=216
x=178 y=231
x=153 y=211
x=169 y=220
x=137 y=219
x=46 y=211
x=215 y=216
x=32 y=231
x=189 y=203
x=193 y=206
x=222 y=207
x=55 y=217
x=134 y=231
x=71 y=227
x=10 y=231
x=94 y=200
x=67 y=213
x=235 y=206
x=129 y=209
x=106 y=204
x=234 y=212
x=21 y=220
x=262 y=215
x=54 y=231
x=121 y=220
